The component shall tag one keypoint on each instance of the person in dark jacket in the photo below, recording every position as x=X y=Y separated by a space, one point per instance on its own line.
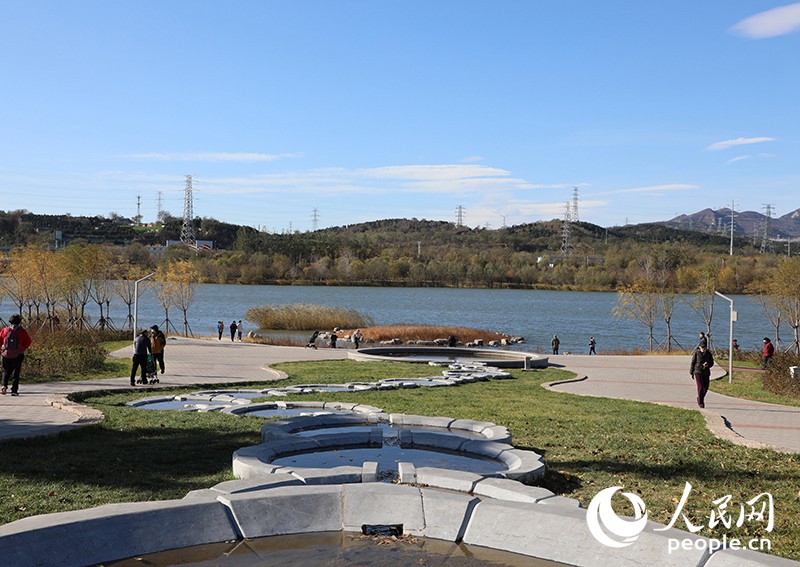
x=700 y=370
x=141 y=348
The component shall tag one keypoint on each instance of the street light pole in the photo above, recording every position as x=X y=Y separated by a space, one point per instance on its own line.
x=730 y=337
x=136 y=304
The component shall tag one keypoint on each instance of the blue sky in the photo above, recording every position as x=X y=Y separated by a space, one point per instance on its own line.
x=368 y=110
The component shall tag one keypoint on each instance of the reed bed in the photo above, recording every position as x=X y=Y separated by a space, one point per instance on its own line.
x=306 y=317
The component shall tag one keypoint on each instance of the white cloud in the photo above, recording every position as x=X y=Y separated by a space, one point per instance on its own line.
x=242 y=157
x=772 y=23
x=740 y=158
x=726 y=144
x=657 y=188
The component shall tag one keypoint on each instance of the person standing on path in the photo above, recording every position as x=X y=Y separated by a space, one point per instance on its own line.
x=334 y=337
x=700 y=370
x=233 y=330
x=592 y=345
x=15 y=341
x=767 y=353
x=220 y=329
x=157 y=343
x=357 y=338
x=141 y=348
x=703 y=341
x=239 y=330
x=554 y=343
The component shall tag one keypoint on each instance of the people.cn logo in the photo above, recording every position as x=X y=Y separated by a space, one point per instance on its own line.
x=608 y=528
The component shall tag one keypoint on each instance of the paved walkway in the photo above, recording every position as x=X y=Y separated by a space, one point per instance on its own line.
x=658 y=379
x=666 y=380
x=188 y=361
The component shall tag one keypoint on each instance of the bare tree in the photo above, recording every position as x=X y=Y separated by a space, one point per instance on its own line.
x=640 y=305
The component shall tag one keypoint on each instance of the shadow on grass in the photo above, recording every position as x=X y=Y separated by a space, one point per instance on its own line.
x=149 y=459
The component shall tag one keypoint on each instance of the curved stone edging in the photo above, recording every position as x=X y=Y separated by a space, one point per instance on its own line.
x=490 y=512
x=86 y=414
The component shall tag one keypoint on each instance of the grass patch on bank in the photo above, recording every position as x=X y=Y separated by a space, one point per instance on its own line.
x=588 y=444
x=750 y=386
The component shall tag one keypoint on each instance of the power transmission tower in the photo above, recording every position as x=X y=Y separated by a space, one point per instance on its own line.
x=138 y=217
x=504 y=220
x=314 y=219
x=575 y=217
x=187 y=230
x=766 y=243
x=566 y=231
x=160 y=211
x=733 y=223
x=459 y=216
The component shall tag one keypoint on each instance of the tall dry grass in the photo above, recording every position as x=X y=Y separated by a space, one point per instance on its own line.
x=305 y=317
x=425 y=333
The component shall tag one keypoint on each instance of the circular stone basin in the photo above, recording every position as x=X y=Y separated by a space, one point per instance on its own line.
x=365 y=447
x=388 y=458
x=366 y=418
x=477 y=356
x=173 y=403
x=334 y=549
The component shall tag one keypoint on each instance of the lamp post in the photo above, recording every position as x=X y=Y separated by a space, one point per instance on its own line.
x=730 y=337
x=136 y=304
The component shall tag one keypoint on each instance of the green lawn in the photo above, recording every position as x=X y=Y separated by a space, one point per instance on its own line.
x=588 y=444
x=750 y=386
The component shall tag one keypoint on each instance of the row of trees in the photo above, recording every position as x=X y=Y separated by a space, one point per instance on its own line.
x=55 y=288
x=653 y=295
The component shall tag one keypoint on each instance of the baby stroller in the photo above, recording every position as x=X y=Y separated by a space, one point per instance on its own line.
x=150 y=372
x=312 y=342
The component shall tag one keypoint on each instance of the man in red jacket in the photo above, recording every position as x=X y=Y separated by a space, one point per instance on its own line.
x=769 y=350
x=15 y=341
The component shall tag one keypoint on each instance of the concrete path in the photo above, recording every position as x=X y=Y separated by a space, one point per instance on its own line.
x=657 y=379
x=188 y=361
x=666 y=380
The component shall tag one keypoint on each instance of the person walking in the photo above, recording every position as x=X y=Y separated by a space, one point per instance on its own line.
x=554 y=344
x=700 y=370
x=15 y=341
x=239 y=330
x=703 y=341
x=233 y=330
x=157 y=343
x=220 y=329
x=141 y=348
x=767 y=353
x=357 y=338
x=334 y=337
x=592 y=345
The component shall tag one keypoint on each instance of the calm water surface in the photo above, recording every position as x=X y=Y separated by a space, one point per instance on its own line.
x=535 y=315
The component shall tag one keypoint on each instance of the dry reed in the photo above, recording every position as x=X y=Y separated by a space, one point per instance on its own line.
x=305 y=317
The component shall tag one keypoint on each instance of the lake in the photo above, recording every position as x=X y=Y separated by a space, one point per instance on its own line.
x=535 y=315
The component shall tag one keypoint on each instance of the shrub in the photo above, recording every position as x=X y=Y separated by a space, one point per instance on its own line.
x=54 y=361
x=304 y=317
x=777 y=378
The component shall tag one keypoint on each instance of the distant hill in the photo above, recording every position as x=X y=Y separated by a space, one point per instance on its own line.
x=748 y=224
